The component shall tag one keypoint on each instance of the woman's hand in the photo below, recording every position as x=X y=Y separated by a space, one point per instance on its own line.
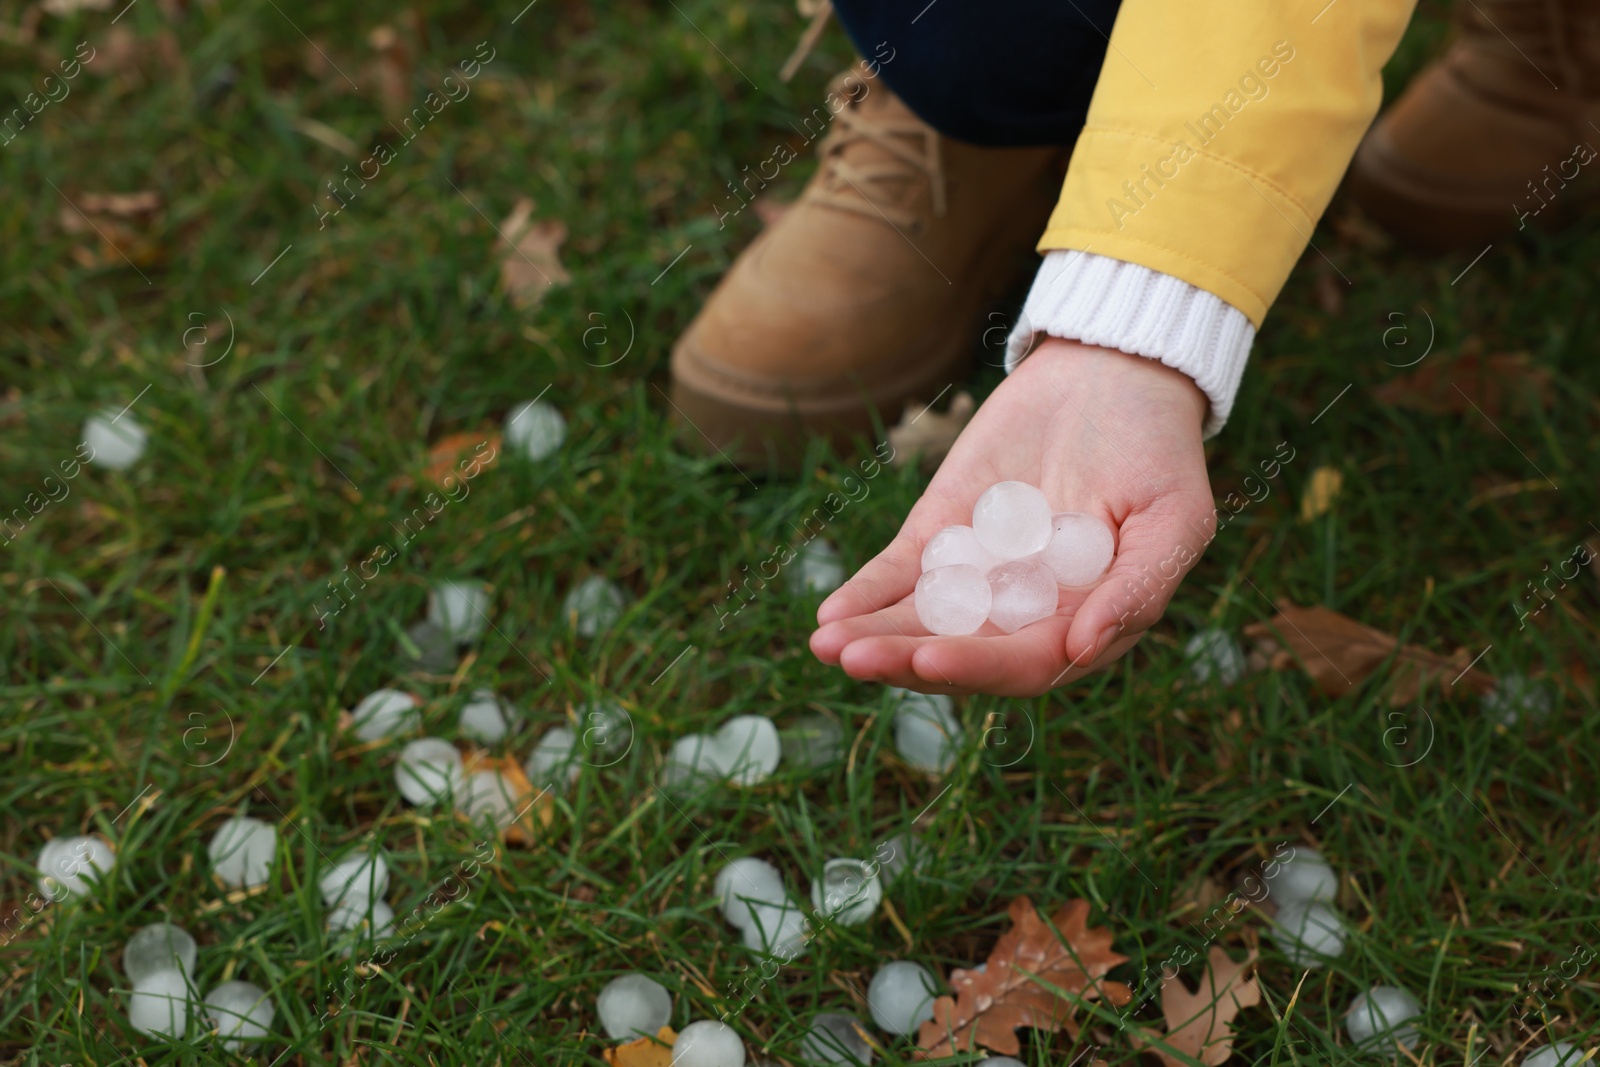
x=1100 y=431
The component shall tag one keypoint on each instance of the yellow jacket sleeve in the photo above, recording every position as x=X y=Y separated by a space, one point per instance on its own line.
x=1217 y=134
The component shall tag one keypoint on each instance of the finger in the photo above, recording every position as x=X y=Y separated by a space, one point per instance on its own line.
x=892 y=574
x=888 y=578
x=898 y=620
x=1026 y=663
x=1156 y=547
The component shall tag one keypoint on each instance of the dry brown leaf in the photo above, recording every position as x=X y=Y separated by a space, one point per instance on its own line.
x=456 y=455
x=531 y=263
x=121 y=205
x=118 y=226
x=644 y=1052
x=135 y=58
x=990 y=1005
x=448 y=454
x=389 y=71
x=1442 y=386
x=1326 y=482
x=927 y=435
x=535 y=804
x=1200 y=1024
x=1340 y=653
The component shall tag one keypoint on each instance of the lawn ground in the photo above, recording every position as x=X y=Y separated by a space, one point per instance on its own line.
x=162 y=664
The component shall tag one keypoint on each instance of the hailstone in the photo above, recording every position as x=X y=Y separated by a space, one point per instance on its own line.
x=901 y=996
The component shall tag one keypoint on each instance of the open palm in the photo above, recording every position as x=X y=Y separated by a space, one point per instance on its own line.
x=1100 y=431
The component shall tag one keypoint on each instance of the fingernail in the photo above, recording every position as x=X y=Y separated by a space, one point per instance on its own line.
x=1103 y=642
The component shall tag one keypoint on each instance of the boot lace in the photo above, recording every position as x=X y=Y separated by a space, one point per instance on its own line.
x=840 y=177
x=881 y=189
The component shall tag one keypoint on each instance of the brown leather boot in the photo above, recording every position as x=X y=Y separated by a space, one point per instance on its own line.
x=866 y=292
x=1498 y=135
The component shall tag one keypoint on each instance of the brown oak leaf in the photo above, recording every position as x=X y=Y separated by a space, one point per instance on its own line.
x=120 y=228
x=1340 y=653
x=644 y=1052
x=531 y=265
x=458 y=457
x=1199 y=1024
x=1019 y=983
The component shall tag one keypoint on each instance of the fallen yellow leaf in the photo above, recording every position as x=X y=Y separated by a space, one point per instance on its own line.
x=645 y=1052
x=1321 y=493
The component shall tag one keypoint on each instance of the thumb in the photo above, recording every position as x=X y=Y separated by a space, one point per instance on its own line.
x=1156 y=547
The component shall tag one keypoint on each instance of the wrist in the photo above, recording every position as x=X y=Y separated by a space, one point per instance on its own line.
x=1099 y=300
x=1097 y=379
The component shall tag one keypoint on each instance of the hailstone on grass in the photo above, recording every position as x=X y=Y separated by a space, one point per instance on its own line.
x=745 y=881
x=356 y=879
x=926 y=731
x=158 y=947
x=632 y=1005
x=534 y=430
x=554 y=763
x=1302 y=878
x=817 y=568
x=708 y=1044
x=489 y=794
x=1012 y=520
x=487 y=718
x=693 y=762
x=1214 y=653
x=435 y=652
x=1517 y=698
x=605 y=731
x=1308 y=934
x=898 y=854
x=159 y=1005
x=778 y=929
x=369 y=920
x=69 y=866
x=240 y=1012
x=428 y=771
x=242 y=851
x=460 y=609
x=594 y=605
x=901 y=996
x=836 y=1038
x=115 y=439
x=849 y=891
x=953 y=601
x=385 y=713
x=1560 y=1054
x=748 y=749
x=1080 y=549
x=813 y=741
x=1378 y=1017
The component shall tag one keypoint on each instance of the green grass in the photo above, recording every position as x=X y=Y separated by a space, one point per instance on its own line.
x=147 y=614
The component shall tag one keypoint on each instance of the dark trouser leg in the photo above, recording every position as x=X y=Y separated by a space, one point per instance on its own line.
x=1006 y=74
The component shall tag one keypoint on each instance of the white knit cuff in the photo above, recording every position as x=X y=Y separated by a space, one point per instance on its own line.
x=1098 y=300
